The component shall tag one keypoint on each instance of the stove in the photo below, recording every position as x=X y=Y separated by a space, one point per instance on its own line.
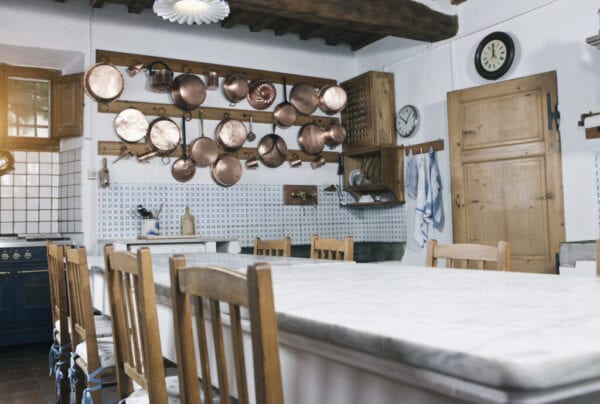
x=25 y=309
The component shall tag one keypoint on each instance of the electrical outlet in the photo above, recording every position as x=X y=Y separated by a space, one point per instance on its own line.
x=92 y=174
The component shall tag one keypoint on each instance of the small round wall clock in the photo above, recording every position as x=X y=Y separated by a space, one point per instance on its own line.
x=407 y=121
x=494 y=55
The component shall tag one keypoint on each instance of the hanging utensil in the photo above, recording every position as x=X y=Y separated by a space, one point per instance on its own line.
x=332 y=99
x=226 y=170
x=285 y=113
x=251 y=135
x=212 y=80
x=204 y=150
x=334 y=133
x=103 y=82
x=272 y=149
x=161 y=78
x=7 y=161
x=230 y=134
x=103 y=175
x=184 y=168
x=188 y=90
x=131 y=125
x=235 y=88
x=304 y=98
x=261 y=94
x=163 y=138
x=310 y=139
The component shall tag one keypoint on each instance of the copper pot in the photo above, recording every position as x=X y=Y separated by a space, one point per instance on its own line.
x=162 y=138
x=285 y=113
x=332 y=99
x=230 y=134
x=204 y=150
x=304 y=98
x=184 y=168
x=212 y=80
x=226 y=170
x=188 y=91
x=310 y=138
x=334 y=133
x=261 y=94
x=272 y=150
x=161 y=78
x=131 y=125
x=235 y=87
x=7 y=161
x=103 y=82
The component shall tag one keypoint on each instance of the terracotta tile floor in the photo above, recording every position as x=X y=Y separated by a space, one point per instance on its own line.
x=24 y=376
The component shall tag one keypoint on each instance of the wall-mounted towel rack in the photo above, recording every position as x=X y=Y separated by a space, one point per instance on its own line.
x=436 y=145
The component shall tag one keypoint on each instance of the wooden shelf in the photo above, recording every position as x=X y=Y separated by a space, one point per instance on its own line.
x=436 y=145
x=109 y=148
x=178 y=65
x=209 y=113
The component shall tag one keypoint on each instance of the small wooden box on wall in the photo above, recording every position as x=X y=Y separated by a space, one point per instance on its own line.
x=369 y=116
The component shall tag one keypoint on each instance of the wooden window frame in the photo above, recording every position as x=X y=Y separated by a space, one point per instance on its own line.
x=14 y=143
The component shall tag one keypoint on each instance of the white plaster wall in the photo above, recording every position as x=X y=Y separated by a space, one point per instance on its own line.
x=550 y=35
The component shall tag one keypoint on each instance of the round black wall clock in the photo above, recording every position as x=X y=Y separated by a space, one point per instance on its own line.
x=494 y=55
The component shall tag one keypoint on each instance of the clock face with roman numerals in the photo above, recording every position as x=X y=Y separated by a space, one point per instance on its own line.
x=494 y=55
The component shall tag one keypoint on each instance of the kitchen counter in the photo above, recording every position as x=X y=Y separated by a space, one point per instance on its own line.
x=464 y=335
x=176 y=244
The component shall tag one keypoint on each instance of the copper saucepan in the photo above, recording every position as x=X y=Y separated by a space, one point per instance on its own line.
x=332 y=99
x=226 y=170
x=204 y=150
x=304 y=98
x=261 y=94
x=230 y=134
x=235 y=87
x=161 y=78
x=285 y=113
x=188 y=90
x=310 y=138
x=103 y=82
x=162 y=138
x=184 y=168
x=131 y=125
x=334 y=133
x=272 y=149
x=7 y=161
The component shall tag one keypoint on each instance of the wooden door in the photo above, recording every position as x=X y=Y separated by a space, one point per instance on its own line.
x=506 y=169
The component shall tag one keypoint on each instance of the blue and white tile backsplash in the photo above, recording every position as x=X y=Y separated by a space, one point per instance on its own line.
x=243 y=212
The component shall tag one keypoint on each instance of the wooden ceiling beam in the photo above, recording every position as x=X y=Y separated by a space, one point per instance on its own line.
x=264 y=21
x=234 y=18
x=136 y=6
x=401 y=18
x=363 y=41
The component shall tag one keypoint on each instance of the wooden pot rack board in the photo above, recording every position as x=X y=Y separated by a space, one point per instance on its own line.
x=593 y=132
x=436 y=145
x=108 y=148
x=209 y=113
x=178 y=65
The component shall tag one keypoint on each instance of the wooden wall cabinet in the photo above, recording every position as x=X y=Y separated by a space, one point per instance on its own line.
x=369 y=116
x=383 y=174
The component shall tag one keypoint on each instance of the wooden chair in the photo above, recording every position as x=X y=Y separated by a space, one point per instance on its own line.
x=61 y=347
x=469 y=253
x=332 y=249
x=280 y=248
x=138 y=353
x=92 y=355
x=199 y=287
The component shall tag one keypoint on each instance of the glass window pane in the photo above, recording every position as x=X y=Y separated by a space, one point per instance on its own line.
x=43 y=132
x=12 y=117
x=29 y=107
x=26 y=118
x=42 y=118
x=26 y=131
x=12 y=130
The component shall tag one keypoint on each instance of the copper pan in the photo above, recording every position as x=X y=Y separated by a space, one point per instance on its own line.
x=310 y=139
x=131 y=125
x=230 y=134
x=285 y=113
x=261 y=94
x=304 y=98
x=184 y=168
x=188 y=91
x=226 y=170
x=334 y=133
x=272 y=149
x=7 y=161
x=332 y=99
x=235 y=87
x=162 y=138
x=103 y=82
x=204 y=150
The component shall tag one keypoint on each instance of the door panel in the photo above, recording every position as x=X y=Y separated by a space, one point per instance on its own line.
x=506 y=171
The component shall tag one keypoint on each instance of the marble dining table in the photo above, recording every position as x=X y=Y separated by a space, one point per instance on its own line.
x=389 y=333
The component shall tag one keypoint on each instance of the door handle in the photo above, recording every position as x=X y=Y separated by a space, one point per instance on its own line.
x=35 y=271
x=552 y=115
x=457 y=200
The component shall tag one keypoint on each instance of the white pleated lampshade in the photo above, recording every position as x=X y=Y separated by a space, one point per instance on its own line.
x=191 y=11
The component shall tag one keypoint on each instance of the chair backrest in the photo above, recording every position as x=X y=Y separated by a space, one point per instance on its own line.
x=466 y=254
x=138 y=353
x=281 y=248
x=199 y=287
x=81 y=309
x=58 y=289
x=331 y=248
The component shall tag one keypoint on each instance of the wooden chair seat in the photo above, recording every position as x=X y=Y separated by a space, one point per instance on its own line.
x=332 y=249
x=466 y=255
x=280 y=248
x=103 y=326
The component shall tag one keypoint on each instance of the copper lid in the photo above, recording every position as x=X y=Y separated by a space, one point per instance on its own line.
x=131 y=125
x=104 y=82
x=304 y=98
x=261 y=94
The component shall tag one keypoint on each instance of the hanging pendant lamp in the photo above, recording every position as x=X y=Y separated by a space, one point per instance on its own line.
x=191 y=11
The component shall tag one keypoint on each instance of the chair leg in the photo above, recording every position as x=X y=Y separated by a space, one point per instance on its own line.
x=77 y=379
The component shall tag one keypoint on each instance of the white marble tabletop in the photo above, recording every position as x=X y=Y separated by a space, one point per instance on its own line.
x=501 y=329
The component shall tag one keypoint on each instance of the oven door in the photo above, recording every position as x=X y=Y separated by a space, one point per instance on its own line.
x=6 y=299
x=32 y=298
